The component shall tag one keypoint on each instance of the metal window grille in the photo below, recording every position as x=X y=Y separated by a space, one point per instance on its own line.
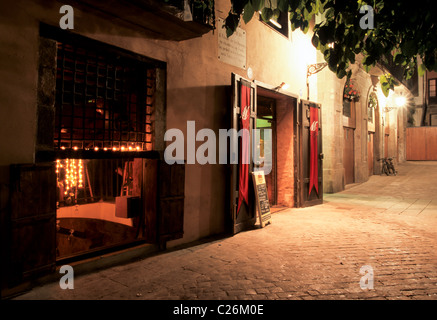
x=103 y=101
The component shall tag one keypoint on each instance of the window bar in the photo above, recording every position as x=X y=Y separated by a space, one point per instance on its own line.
x=112 y=124
x=73 y=107
x=84 y=98
x=60 y=64
x=95 y=96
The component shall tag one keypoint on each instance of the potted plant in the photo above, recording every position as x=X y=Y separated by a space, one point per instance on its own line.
x=351 y=92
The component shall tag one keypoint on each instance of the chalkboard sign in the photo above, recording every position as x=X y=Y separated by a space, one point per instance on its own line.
x=262 y=198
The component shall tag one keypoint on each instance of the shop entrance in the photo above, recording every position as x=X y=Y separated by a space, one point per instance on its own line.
x=273 y=114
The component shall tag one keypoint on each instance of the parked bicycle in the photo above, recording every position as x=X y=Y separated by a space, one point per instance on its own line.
x=387 y=166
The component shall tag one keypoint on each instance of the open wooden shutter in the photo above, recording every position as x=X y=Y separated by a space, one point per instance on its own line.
x=171 y=190
x=246 y=217
x=305 y=198
x=164 y=193
x=32 y=221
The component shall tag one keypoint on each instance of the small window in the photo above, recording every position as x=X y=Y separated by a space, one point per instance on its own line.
x=371 y=106
x=347 y=108
x=370 y=114
x=432 y=88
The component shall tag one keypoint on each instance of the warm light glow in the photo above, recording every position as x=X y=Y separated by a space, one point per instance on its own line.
x=277 y=25
x=73 y=174
x=400 y=101
x=135 y=147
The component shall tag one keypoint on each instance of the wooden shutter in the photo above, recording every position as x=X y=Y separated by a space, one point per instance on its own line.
x=304 y=155
x=32 y=221
x=171 y=193
x=246 y=218
x=163 y=196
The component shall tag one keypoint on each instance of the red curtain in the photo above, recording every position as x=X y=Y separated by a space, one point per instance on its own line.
x=243 y=186
x=314 y=133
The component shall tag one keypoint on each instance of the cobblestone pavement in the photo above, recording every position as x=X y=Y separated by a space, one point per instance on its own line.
x=388 y=223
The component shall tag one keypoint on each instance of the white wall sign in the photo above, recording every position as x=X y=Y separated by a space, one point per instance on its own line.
x=232 y=50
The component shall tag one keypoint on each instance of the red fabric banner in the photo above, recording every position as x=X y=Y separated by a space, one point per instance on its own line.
x=314 y=133
x=243 y=185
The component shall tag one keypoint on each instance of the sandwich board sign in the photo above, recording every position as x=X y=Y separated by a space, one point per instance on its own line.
x=262 y=198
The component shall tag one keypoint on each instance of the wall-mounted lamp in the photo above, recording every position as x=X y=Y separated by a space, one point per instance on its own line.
x=313 y=69
x=398 y=101
x=283 y=86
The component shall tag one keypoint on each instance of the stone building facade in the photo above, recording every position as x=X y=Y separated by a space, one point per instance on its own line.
x=185 y=77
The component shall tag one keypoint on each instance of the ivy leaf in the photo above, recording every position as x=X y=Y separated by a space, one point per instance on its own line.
x=266 y=14
x=248 y=13
x=256 y=4
x=238 y=6
x=231 y=24
x=306 y=26
x=421 y=70
x=276 y=13
x=341 y=73
x=315 y=41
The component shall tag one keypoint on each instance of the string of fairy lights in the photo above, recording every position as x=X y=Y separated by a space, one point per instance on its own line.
x=73 y=174
x=70 y=172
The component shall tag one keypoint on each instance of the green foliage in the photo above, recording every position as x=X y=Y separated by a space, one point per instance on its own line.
x=388 y=83
x=373 y=101
x=402 y=31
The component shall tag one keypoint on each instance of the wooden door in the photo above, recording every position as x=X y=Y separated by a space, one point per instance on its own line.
x=245 y=218
x=305 y=197
x=32 y=222
x=348 y=155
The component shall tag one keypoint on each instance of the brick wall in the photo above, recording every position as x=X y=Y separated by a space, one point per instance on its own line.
x=285 y=152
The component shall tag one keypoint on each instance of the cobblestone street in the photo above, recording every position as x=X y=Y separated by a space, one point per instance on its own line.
x=388 y=223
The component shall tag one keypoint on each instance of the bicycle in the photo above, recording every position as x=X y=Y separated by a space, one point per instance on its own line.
x=388 y=166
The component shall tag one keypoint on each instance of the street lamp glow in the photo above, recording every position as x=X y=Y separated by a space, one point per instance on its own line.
x=400 y=101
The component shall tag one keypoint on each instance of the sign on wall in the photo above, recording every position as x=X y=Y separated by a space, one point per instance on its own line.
x=262 y=198
x=232 y=50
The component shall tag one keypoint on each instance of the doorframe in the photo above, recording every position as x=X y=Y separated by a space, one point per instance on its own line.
x=275 y=92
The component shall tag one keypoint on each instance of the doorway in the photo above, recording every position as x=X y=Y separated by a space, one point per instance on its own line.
x=348 y=155
x=266 y=119
x=370 y=152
